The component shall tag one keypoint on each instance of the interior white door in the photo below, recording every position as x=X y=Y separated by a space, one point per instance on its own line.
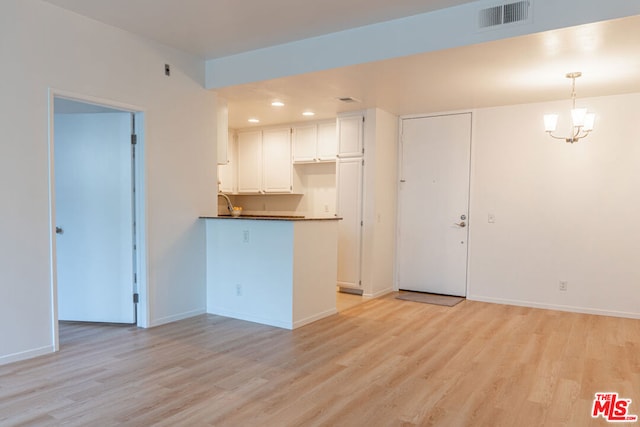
x=434 y=204
x=93 y=207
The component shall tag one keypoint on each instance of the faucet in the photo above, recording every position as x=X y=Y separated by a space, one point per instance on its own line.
x=229 y=204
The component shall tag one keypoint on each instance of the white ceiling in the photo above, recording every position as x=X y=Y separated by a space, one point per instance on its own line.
x=215 y=28
x=511 y=71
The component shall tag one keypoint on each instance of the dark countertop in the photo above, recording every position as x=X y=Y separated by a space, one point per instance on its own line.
x=272 y=218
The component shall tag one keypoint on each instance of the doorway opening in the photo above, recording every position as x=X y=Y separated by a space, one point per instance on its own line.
x=97 y=212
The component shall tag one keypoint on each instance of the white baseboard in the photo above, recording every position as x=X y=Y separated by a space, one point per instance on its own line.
x=24 y=355
x=315 y=317
x=175 y=318
x=572 y=309
x=379 y=293
x=250 y=318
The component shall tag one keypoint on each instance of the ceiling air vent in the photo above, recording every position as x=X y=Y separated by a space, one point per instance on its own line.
x=505 y=14
x=348 y=99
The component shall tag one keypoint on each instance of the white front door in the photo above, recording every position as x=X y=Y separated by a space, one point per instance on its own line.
x=94 y=214
x=434 y=204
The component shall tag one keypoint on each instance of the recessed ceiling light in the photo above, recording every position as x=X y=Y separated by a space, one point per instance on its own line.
x=277 y=104
x=308 y=113
x=254 y=121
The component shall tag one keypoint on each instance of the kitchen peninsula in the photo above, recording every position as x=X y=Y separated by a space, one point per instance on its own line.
x=278 y=271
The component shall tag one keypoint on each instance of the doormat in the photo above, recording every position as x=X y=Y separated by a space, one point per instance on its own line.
x=436 y=299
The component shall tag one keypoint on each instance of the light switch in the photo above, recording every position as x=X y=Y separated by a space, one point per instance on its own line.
x=245 y=236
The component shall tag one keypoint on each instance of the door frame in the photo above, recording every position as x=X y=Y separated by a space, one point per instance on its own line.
x=140 y=217
x=471 y=112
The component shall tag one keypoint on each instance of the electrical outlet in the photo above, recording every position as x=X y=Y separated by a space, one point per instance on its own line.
x=246 y=236
x=326 y=208
x=491 y=218
x=238 y=290
x=562 y=286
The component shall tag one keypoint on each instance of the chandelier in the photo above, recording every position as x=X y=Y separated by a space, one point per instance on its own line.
x=581 y=120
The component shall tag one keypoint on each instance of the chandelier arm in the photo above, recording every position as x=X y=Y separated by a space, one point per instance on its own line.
x=578 y=129
x=586 y=134
x=555 y=137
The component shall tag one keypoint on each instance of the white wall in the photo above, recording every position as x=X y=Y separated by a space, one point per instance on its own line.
x=46 y=47
x=260 y=263
x=563 y=212
x=441 y=29
x=318 y=182
x=380 y=201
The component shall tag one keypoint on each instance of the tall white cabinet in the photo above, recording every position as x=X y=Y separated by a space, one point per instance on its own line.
x=349 y=189
x=367 y=198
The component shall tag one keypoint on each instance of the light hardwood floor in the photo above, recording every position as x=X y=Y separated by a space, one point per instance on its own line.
x=385 y=362
x=345 y=301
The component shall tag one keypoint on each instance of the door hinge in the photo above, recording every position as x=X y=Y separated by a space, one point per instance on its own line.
x=362 y=119
x=362 y=162
x=134 y=139
x=361 y=223
x=359 y=282
x=136 y=298
x=135 y=277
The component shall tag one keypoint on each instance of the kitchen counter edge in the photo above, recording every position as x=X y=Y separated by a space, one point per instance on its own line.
x=272 y=218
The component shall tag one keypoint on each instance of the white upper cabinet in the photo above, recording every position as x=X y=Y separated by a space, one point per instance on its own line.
x=250 y=162
x=350 y=136
x=222 y=130
x=264 y=161
x=227 y=172
x=327 y=147
x=276 y=161
x=305 y=140
x=315 y=143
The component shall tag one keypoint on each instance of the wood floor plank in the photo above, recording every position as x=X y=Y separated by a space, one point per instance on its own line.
x=384 y=362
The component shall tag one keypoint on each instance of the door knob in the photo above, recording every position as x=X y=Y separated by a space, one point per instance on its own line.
x=461 y=224
x=59 y=230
